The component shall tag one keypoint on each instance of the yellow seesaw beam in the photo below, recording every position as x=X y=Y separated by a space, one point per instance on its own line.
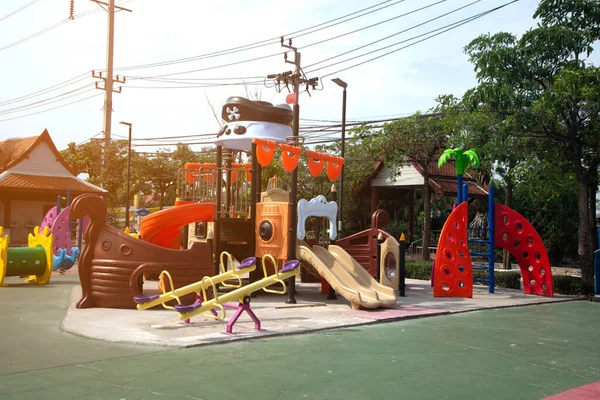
x=277 y=277
x=202 y=285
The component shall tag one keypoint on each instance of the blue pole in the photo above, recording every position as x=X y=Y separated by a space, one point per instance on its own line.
x=465 y=193
x=459 y=191
x=597 y=272
x=491 y=243
x=58 y=201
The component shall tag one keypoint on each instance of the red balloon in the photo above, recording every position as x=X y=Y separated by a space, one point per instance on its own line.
x=291 y=98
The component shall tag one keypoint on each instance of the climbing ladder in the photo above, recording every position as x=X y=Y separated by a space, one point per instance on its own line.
x=488 y=234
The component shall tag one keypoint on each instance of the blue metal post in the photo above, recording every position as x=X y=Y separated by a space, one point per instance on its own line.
x=58 y=205
x=597 y=272
x=459 y=189
x=491 y=239
x=465 y=193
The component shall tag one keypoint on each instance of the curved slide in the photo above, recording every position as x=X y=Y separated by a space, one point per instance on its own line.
x=347 y=276
x=162 y=228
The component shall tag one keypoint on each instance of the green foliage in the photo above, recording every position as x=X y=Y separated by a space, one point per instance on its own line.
x=418 y=269
x=571 y=285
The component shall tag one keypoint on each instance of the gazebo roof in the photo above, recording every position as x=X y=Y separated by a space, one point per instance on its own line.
x=443 y=180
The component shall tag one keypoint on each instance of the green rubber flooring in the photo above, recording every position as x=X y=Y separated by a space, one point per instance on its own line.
x=516 y=353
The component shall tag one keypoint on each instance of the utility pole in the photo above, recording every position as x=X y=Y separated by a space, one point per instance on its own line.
x=108 y=79
x=295 y=79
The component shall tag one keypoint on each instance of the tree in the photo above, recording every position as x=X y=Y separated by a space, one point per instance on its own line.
x=540 y=86
x=420 y=139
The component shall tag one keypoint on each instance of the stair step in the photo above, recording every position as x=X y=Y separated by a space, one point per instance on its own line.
x=478 y=241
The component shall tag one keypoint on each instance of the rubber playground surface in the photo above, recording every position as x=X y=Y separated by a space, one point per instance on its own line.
x=528 y=352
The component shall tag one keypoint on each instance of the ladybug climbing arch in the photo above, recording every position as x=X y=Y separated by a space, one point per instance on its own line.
x=512 y=232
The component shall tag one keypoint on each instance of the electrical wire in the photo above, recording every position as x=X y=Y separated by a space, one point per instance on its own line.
x=441 y=30
x=50 y=109
x=18 y=10
x=52 y=27
x=254 y=45
x=395 y=34
x=52 y=88
x=50 y=100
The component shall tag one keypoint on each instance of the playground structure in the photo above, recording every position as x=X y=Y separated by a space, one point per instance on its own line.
x=246 y=222
x=252 y=221
x=112 y=262
x=453 y=268
x=58 y=220
x=34 y=261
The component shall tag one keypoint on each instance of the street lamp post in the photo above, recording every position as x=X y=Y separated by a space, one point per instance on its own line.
x=343 y=85
x=128 y=175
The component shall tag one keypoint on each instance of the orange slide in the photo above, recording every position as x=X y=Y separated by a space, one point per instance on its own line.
x=163 y=227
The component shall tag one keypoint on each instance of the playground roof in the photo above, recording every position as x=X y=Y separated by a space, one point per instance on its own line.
x=47 y=183
x=15 y=150
x=22 y=167
x=443 y=180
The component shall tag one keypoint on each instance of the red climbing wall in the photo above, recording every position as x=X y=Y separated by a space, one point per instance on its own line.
x=453 y=272
x=517 y=236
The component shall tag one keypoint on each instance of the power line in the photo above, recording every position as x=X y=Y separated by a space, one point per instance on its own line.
x=280 y=53
x=52 y=27
x=254 y=45
x=52 y=88
x=50 y=109
x=398 y=33
x=449 y=27
x=18 y=10
x=50 y=100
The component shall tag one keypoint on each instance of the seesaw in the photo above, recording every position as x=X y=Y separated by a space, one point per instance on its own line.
x=146 y=302
x=242 y=294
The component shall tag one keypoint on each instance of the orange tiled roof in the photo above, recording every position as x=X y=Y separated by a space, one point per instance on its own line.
x=13 y=149
x=46 y=183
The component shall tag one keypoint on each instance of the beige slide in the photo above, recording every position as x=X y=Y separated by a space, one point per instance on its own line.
x=347 y=276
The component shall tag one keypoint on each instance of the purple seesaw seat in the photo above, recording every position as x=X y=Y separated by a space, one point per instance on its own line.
x=290 y=265
x=145 y=299
x=248 y=262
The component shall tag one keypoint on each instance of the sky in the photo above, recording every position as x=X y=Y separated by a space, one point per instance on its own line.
x=178 y=103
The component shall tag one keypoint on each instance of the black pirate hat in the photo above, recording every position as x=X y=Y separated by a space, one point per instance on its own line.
x=241 y=109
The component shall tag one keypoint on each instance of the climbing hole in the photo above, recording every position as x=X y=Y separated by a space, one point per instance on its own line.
x=461 y=269
x=538 y=256
x=505 y=218
x=532 y=282
x=544 y=286
x=519 y=226
x=525 y=254
x=461 y=285
x=504 y=237
x=445 y=287
x=542 y=271
x=530 y=268
x=451 y=238
x=448 y=254
x=461 y=254
x=446 y=271
x=530 y=240
x=516 y=243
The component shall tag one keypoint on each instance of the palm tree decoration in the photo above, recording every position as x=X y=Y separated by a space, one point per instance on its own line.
x=464 y=159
